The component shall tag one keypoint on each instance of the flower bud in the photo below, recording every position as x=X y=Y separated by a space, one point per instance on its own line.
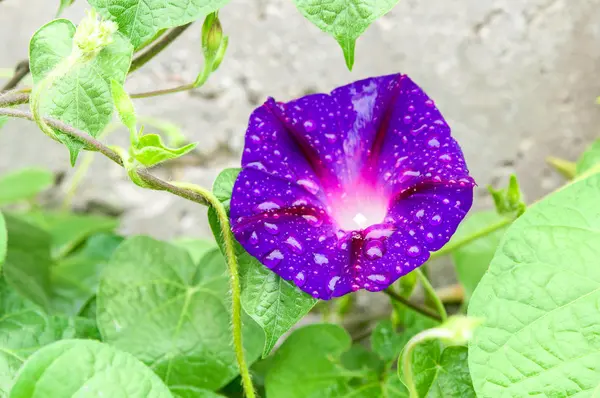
x=92 y=35
x=212 y=36
x=460 y=329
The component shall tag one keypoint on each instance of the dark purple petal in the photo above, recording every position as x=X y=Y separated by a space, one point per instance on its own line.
x=349 y=190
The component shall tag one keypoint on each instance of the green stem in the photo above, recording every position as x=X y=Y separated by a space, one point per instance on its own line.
x=407 y=303
x=229 y=249
x=439 y=306
x=156 y=47
x=409 y=348
x=449 y=248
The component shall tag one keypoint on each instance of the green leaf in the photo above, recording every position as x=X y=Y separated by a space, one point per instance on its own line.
x=85 y=368
x=69 y=230
x=540 y=300
x=223 y=186
x=509 y=201
x=28 y=261
x=345 y=20
x=303 y=366
x=359 y=358
x=275 y=304
x=82 y=96
x=386 y=342
x=589 y=159
x=24 y=184
x=124 y=105
x=472 y=261
x=196 y=248
x=425 y=362
x=150 y=150
x=172 y=314
x=74 y=279
x=25 y=327
x=3 y=240
x=453 y=378
x=140 y=20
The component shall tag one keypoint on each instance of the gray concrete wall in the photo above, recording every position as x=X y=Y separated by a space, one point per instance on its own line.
x=516 y=79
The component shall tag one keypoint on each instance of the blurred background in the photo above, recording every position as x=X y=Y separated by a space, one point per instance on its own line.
x=517 y=81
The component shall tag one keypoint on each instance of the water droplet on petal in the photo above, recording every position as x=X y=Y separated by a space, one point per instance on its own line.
x=445 y=157
x=379 y=232
x=419 y=130
x=413 y=251
x=309 y=125
x=320 y=259
x=374 y=249
x=435 y=220
x=331 y=137
x=257 y=165
x=407 y=119
x=419 y=214
x=255 y=138
x=309 y=185
x=379 y=278
x=271 y=228
x=312 y=220
x=265 y=206
x=411 y=108
x=387 y=176
x=355 y=287
x=300 y=279
x=429 y=103
x=253 y=238
x=272 y=259
x=433 y=143
x=429 y=237
x=294 y=245
x=333 y=282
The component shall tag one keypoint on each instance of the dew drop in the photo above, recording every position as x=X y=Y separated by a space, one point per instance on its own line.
x=320 y=259
x=379 y=278
x=255 y=138
x=309 y=125
x=312 y=220
x=266 y=206
x=429 y=237
x=407 y=119
x=429 y=103
x=276 y=152
x=411 y=108
x=257 y=165
x=271 y=228
x=387 y=176
x=419 y=214
x=253 y=238
x=331 y=137
x=436 y=220
x=434 y=143
x=333 y=282
x=374 y=249
x=272 y=259
x=300 y=279
x=355 y=287
x=419 y=129
x=309 y=185
x=413 y=251
x=445 y=157
x=294 y=245
x=446 y=201
x=378 y=233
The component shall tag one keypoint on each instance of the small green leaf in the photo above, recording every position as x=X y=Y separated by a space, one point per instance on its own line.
x=25 y=327
x=509 y=201
x=472 y=261
x=425 y=360
x=150 y=150
x=271 y=301
x=24 y=184
x=63 y=5
x=69 y=230
x=28 y=261
x=124 y=105
x=453 y=378
x=564 y=167
x=386 y=342
x=3 y=240
x=155 y=303
x=360 y=358
x=223 y=185
x=540 y=300
x=345 y=20
x=139 y=20
x=589 y=159
x=85 y=368
x=82 y=96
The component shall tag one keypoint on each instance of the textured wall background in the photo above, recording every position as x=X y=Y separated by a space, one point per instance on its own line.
x=515 y=79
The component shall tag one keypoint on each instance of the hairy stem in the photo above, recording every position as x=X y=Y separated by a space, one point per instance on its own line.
x=449 y=248
x=421 y=310
x=156 y=47
x=236 y=313
x=429 y=334
x=439 y=306
x=21 y=71
x=92 y=143
x=13 y=98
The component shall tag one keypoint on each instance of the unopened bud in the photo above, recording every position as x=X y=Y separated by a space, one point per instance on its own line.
x=92 y=35
x=460 y=329
x=212 y=36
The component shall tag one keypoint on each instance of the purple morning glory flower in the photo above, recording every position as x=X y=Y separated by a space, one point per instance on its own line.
x=349 y=190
